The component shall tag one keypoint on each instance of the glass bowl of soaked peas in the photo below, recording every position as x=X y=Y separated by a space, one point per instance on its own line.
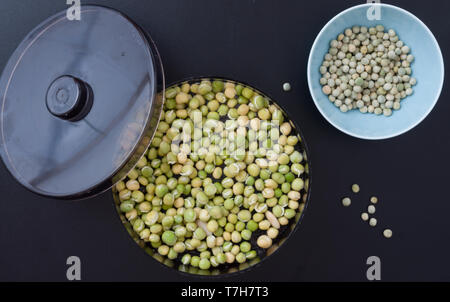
x=223 y=184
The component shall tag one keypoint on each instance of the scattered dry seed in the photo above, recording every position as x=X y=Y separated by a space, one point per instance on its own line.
x=387 y=233
x=287 y=87
x=365 y=216
x=355 y=188
x=374 y=200
x=373 y=222
x=371 y=210
x=346 y=202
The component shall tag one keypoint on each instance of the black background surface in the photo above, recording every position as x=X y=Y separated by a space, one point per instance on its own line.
x=264 y=43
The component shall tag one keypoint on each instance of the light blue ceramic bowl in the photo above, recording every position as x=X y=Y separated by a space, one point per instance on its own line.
x=428 y=68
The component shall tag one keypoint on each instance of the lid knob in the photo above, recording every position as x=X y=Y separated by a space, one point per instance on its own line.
x=69 y=98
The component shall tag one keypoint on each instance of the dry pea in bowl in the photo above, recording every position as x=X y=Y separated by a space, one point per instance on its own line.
x=223 y=184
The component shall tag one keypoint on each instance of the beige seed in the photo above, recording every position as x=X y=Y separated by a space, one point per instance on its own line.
x=283 y=220
x=387 y=233
x=182 y=98
x=355 y=188
x=132 y=185
x=371 y=209
x=365 y=216
x=264 y=241
x=272 y=219
x=286 y=129
x=346 y=202
x=373 y=222
x=230 y=92
x=272 y=233
x=374 y=200
x=326 y=89
x=294 y=195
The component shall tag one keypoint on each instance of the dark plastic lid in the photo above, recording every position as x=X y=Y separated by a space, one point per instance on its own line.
x=79 y=103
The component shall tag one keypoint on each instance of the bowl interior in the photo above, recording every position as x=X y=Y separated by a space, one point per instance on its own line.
x=428 y=69
x=284 y=232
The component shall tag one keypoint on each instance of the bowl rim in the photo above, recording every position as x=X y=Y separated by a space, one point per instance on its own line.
x=423 y=116
x=289 y=235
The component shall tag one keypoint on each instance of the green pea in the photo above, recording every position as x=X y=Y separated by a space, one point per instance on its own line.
x=170 y=104
x=242 y=100
x=286 y=187
x=186 y=259
x=250 y=181
x=252 y=225
x=229 y=227
x=245 y=247
x=258 y=102
x=138 y=225
x=239 y=89
x=167 y=221
x=137 y=196
x=190 y=215
x=238 y=200
x=240 y=226
x=244 y=215
x=199 y=234
x=296 y=157
x=215 y=212
x=264 y=174
x=298 y=184
x=172 y=254
x=228 y=204
x=161 y=190
x=217 y=86
x=278 y=193
x=204 y=264
x=221 y=258
x=147 y=171
x=127 y=206
x=259 y=184
x=227 y=246
x=247 y=92
x=195 y=260
x=210 y=190
x=240 y=258
x=289 y=177
x=251 y=255
x=246 y=234
x=289 y=213
x=180 y=231
x=202 y=198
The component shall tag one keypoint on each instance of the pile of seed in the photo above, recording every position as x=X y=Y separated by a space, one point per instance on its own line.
x=195 y=198
x=371 y=209
x=367 y=69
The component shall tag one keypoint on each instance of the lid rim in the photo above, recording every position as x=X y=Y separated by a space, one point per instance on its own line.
x=156 y=74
